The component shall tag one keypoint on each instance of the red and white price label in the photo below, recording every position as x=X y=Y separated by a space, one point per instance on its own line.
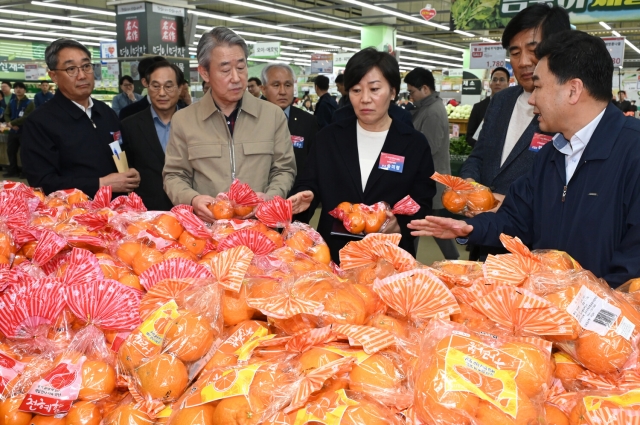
x=615 y=46
x=487 y=56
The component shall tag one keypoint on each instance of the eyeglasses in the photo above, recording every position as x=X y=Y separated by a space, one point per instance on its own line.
x=168 y=88
x=499 y=80
x=72 y=71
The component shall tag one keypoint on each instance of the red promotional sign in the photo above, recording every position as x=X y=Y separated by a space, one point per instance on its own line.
x=168 y=30
x=132 y=30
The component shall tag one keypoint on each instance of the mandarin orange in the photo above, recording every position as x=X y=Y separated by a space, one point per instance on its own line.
x=189 y=337
x=168 y=226
x=193 y=244
x=164 y=377
x=146 y=258
x=98 y=380
x=84 y=413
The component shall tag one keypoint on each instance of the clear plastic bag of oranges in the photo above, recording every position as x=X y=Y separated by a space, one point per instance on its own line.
x=469 y=378
x=606 y=407
x=461 y=196
x=239 y=202
x=366 y=219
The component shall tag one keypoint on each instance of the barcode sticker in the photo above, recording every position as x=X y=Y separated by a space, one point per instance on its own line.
x=592 y=312
x=625 y=328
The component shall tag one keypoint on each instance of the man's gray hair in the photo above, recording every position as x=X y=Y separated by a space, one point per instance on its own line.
x=266 y=69
x=51 y=52
x=217 y=37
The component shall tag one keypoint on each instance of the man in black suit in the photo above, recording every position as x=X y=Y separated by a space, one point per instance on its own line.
x=146 y=134
x=499 y=82
x=624 y=105
x=326 y=105
x=278 y=89
x=510 y=137
x=143 y=103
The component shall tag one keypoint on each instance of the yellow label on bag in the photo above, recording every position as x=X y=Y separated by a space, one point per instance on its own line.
x=155 y=327
x=245 y=351
x=230 y=383
x=165 y=413
x=627 y=399
x=472 y=366
x=562 y=358
x=359 y=355
x=326 y=411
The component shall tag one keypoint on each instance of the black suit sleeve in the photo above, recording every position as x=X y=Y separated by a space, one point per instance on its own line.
x=127 y=134
x=423 y=188
x=475 y=119
x=308 y=179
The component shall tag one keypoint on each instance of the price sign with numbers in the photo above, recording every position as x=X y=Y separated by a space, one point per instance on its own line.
x=615 y=46
x=487 y=55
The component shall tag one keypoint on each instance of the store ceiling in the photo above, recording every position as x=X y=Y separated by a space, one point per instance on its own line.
x=302 y=24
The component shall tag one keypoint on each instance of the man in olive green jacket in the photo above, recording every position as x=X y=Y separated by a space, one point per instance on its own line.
x=227 y=135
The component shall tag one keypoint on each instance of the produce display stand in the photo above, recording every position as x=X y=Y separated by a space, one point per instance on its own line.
x=462 y=123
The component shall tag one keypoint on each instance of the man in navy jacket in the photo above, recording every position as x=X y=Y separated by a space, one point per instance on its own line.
x=582 y=194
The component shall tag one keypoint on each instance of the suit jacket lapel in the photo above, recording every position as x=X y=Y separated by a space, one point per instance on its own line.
x=394 y=144
x=523 y=143
x=148 y=129
x=505 y=117
x=348 y=146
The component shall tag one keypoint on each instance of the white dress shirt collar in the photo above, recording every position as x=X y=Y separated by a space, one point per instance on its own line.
x=86 y=110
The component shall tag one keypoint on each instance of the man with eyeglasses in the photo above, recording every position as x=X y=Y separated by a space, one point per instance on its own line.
x=145 y=135
x=127 y=97
x=65 y=143
x=499 y=81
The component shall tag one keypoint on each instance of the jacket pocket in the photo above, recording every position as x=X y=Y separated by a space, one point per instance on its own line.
x=204 y=151
x=258 y=148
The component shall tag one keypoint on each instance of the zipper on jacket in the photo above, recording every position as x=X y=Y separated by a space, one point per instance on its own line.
x=232 y=145
x=564 y=193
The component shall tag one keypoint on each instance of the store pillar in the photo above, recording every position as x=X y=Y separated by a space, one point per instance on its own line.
x=382 y=37
x=150 y=29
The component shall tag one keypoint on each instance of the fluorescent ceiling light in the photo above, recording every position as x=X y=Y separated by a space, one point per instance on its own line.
x=488 y=40
x=630 y=44
x=298 y=13
x=56 y=34
x=395 y=13
x=605 y=26
x=468 y=34
x=59 y=27
x=415 y=65
x=63 y=18
x=273 y=27
x=430 y=43
x=273 y=37
x=616 y=33
x=420 y=52
x=294 y=54
x=455 y=65
x=69 y=7
x=27 y=37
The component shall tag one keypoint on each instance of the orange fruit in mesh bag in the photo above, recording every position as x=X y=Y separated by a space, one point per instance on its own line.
x=242 y=210
x=235 y=308
x=365 y=413
x=76 y=197
x=135 y=349
x=180 y=253
x=197 y=415
x=534 y=373
x=300 y=241
x=9 y=413
x=189 y=337
x=377 y=373
x=29 y=249
x=146 y=258
x=567 y=371
x=132 y=281
x=395 y=326
x=84 y=413
x=47 y=420
x=98 y=380
x=320 y=253
x=221 y=209
x=110 y=268
x=372 y=301
x=164 y=377
x=488 y=414
x=555 y=416
x=355 y=222
x=127 y=414
x=135 y=228
x=127 y=251
x=345 y=207
x=603 y=354
x=374 y=221
x=240 y=334
x=557 y=260
x=480 y=199
x=168 y=227
x=193 y=244
x=453 y=201
x=316 y=357
x=6 y=245
x=344 y=307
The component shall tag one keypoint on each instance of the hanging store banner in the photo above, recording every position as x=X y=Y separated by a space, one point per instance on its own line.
x=487 y=56
x=270 y=50
x=322 y=63
x=615 y=46
x=486 y=14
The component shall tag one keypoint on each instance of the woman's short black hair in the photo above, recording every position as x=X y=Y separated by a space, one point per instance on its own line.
x=367 y=59
x=541 y=16
x=576 y=54
x=505 y=70
x=125 y=78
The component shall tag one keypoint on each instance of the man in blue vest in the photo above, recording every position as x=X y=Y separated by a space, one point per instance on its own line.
x=44 y=95
x=6 y=98
x=15 y=115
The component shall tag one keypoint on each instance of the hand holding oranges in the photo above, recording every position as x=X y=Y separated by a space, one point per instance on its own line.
x=361 y=218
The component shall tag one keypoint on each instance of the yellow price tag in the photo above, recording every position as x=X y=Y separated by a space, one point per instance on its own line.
x=156 y=326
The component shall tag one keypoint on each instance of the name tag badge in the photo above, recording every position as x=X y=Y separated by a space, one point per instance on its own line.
x=390 y=162
x=538 y=141
x=117 y=137
x=298 y=141
x=21 y=114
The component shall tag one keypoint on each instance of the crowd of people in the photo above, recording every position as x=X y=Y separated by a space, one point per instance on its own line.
x=577 y=194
